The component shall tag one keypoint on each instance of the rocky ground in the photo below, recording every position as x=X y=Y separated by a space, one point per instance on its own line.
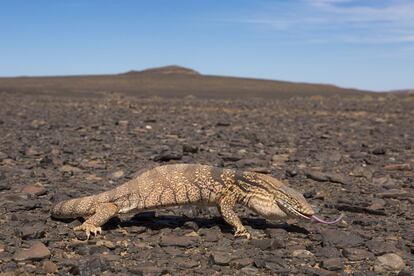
x=350 y=155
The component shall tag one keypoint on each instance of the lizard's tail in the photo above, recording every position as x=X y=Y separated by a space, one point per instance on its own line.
x=73 y=208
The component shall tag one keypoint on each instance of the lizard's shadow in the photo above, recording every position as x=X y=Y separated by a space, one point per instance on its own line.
x=151 y=221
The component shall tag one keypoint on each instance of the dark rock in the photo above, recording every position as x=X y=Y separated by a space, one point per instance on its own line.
x=328 y=252
x=190 y=148
x=259 y=263
x=379 y=151
x=309 y=194
x=185 y=263
x=191 y=225
x=209 y=235
x=359 y=209
x=221 y=258
x=37 y=251
x=180 y=241
x=362 y=171
x=379 y=247
x=229 y=157
x=45 y=162
x=94 y=266
x=168 y=155
x=291 y=172
x=268 y=244
x=3 y=156
x=26 y=205
x=3 y=185
x=389 y=262
x=332 y=264
x=36 y=231
x=406 y=272
x=147 y=270
x=277 y=233
x=340 y=238
x=239 y=263
x=95 y=250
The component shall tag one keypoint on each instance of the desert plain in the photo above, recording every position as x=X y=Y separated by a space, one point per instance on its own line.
x=347 y=151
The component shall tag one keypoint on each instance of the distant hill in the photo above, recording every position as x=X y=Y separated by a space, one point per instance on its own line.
x=165 y=70
x=169 y=81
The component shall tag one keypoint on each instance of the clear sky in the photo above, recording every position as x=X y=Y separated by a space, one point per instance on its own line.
x=366 y=44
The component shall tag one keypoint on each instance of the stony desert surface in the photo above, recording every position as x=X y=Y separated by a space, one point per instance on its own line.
x=348 y=153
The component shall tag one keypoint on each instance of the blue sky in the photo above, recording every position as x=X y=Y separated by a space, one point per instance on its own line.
x=366 y=44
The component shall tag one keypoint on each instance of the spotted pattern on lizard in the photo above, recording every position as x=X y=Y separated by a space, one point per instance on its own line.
x=181 y=184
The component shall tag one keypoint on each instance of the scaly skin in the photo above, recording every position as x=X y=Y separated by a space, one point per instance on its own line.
x=181 y=184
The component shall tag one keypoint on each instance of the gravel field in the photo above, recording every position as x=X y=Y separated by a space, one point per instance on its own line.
x=352 y=155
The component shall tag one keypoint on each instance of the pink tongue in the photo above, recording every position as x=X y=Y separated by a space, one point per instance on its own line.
x=327 y=222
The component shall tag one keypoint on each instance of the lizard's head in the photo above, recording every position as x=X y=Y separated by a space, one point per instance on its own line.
x=293 y=203
x=273 y=199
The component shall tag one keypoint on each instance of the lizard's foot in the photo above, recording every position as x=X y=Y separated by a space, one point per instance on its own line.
x=243 y=234
x=88 y=228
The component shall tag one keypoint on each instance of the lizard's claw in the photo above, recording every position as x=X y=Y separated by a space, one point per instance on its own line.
x=243 y=234
x=88 y=228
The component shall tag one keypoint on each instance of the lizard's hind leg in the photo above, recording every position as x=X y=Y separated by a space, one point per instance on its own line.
x=103 y=212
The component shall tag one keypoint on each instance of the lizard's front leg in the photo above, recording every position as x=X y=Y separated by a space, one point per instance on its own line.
x=225 y=207
x=103 y=212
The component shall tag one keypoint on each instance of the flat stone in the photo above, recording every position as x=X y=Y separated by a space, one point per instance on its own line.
x=210 y=236
x=332 y=264
x=356 y=254
x=379 y=247
x=303 y=254
x=180 y=241
x=69 y=168
x=277 y=233
x=106 y=243
x=37 y=251
x=394 y=193
x=239 y=263
x=185 y=262
x=267 y=244
x=168 y=155
x=38 y=123
x=340 y=238
x=329 y=156
x=389 y=262
x=398 y=167
x=34 y=189
x=327 y=252
x=49 y=267
x=221 y=258
x=94 y=164
x=29 y=232
x=249 y=271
